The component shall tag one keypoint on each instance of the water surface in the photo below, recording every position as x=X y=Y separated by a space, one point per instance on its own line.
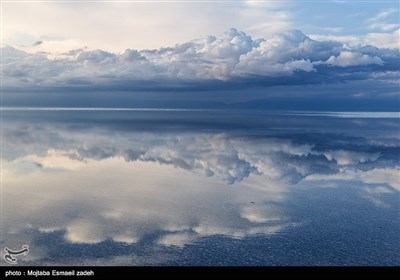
x=200 y=187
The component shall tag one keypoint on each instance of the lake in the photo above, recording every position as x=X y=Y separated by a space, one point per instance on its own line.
x=96 y=186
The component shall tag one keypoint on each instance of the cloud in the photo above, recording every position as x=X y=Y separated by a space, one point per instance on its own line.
x=345 y=59
x=279 y=55
x=389 y=76
x=37 y=43
x=389 y=176
x=385 y=29
x=262 y=213
x=378 y=21
x=229 y=58
x=177 y=239
x=84 y=231
x=383 y=14
x=234 y=162
x=382 y=31
x=349 y=157
x=384 y=40
x=378 y=39
x=144 y=198
x=350 y=40
x=229 y=159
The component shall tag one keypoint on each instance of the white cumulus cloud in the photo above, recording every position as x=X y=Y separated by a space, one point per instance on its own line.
x=230 y=55
x=347 y=58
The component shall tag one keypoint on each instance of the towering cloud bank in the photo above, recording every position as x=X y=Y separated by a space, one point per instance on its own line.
x=233 y=57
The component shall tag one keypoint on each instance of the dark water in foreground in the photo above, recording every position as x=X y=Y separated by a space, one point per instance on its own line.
x=125 y=187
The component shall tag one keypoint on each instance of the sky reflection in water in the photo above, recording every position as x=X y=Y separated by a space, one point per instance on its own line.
x=200 y=188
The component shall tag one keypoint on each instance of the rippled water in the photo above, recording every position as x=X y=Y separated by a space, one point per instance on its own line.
x=191 y=187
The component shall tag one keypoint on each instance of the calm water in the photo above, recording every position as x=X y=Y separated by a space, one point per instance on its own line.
x=126 y=187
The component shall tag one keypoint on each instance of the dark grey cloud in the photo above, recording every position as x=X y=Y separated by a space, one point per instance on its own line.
x=37 y=43
x=74 y=52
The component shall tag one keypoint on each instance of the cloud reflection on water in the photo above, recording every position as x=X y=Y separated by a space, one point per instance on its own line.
x=95 y=184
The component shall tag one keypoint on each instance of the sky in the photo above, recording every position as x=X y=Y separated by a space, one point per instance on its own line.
x=64 y=25
x=278 y=47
